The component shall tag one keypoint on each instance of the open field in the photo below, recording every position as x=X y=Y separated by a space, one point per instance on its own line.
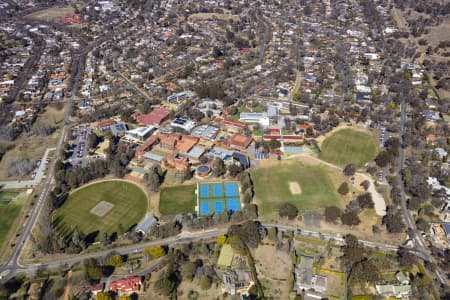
x=177 y=199
x=9 y=213
x=128 y=200
x=33 y=147
x=272 y=186
x=52 y=14
x=349 y=146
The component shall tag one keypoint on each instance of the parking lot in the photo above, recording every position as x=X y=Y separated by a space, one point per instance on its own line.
x=80 y=151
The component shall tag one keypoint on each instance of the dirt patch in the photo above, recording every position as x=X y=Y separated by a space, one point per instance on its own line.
x=102 y=208
x=273 y=268
x=295 y=188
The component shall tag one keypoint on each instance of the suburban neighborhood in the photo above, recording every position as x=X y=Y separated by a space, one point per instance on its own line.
x=224 y=149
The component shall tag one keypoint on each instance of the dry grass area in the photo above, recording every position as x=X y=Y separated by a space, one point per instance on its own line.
x=52 y=14
x=273 y=269
x=33 y=147
x=101 y=209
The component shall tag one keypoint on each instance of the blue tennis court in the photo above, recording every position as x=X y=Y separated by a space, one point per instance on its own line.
x=233 y=204
x=231 y=189
x=218 y=207
x=204 y=208
x=204 y=191
x=217 y=190
x=218 y=197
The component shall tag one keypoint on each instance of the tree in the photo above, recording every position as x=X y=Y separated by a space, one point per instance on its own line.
x=349 y=170
x=382 y=159
x=153 y=179
x=352 y=251
x=365 y=184
x=234 y=170
x=115 y=260
x=205 y=282
x=248 y=233
x=332 y=214
x=365 y=271
x=219 y=168
x=405 y=258
x=393 y=220
x=350 y=218
x=155 y=251
x=104 y=296
x=167 y=284
x=343 y=188
x=221 y=239
x=287 y=210
x=365 y=201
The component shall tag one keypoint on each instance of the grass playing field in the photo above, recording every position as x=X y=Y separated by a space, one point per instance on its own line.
x=177 y=199
x=52 y=14
x=129 y=200
x=9 y=213
x=272 y=187
x=349 y=146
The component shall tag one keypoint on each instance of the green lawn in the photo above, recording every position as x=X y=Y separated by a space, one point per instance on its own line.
x=349 y=146
x=130 y=206
x=9 y=213
x=272 y=187
x=177 y=199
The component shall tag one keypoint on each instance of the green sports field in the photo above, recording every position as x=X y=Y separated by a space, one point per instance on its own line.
x=129 y=207
x=9 y=212
x=177 y=199
x=349 y=146
x=272 y=187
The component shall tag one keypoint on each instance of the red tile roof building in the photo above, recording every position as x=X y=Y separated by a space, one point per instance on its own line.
x=126 y=286
x=102 y=126
x=239 y=141
x=156 y=117
x=286 y=138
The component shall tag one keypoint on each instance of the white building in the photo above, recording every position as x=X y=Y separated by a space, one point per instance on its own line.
x=260 y=118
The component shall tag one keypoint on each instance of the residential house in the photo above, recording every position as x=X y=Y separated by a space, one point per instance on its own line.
x=127 y=286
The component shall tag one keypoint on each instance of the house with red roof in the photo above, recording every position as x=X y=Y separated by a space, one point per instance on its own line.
x=156 y=117
x=126 y=286
x=229 y=125
x=240 y=142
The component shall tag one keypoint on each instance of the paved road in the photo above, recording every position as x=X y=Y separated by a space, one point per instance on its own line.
x=40 y=174
x=419 y=244
x=186 y=237
x=31 y=268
